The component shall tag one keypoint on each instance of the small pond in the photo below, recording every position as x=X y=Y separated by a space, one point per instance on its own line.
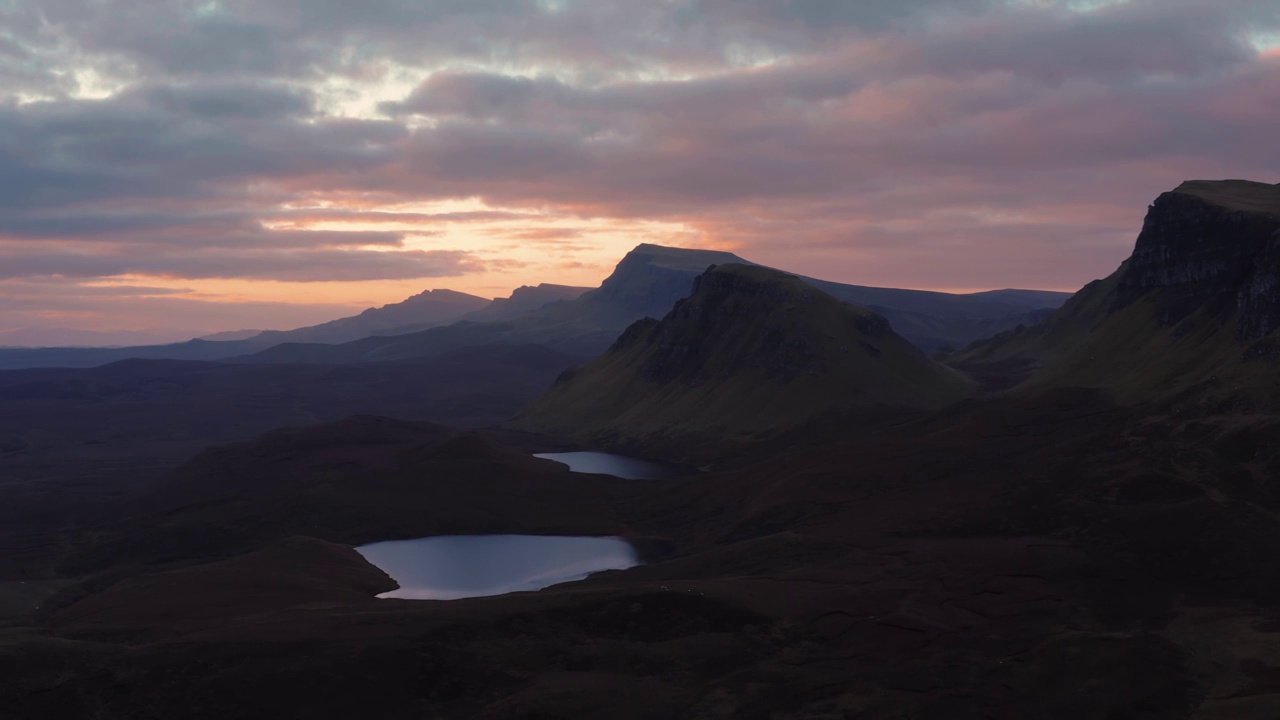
x=616 y=465
x=448 y=567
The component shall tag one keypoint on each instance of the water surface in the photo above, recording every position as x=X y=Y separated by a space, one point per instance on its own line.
x=609 y=464
x=448 y=567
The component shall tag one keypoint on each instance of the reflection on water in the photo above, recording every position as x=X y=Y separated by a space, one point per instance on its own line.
x=448 y=567
x=608 y=464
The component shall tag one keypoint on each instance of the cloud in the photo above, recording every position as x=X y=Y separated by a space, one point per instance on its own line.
x=222 y=101
x=977 y=143
x=305 y=265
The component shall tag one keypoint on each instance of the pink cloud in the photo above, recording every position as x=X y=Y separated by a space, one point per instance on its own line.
x=918 y=144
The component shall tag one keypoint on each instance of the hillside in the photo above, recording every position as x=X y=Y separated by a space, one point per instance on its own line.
x=362 y=479
x=71 y=437
x=1193 y=310
x=750 y=353
x=1076 y=556
x=651 y=278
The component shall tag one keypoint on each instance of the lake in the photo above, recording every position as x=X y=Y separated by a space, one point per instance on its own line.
x=616 y=465
x=449 y=567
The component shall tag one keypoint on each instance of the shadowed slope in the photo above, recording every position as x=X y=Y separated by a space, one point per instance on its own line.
x=360 y=480
x=72 y=439
x=1194 y=309
x=751 y=352
x=292 y=572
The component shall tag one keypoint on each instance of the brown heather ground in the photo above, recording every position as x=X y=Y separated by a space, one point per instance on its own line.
x=1054 y=556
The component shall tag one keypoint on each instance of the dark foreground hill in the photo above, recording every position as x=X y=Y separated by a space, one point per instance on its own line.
x=1193 y=312
x=750 y=353
x=1055 y=556
x=73 y=439
x=359 y=480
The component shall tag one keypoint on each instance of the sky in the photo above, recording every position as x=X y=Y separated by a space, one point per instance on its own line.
x=216 y=164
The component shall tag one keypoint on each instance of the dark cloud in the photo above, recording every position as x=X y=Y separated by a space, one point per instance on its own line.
x=310 y=265
x=224 y=101
x=154 y=145
x=858 y=140
x=479 y=95
x=215 y=46
x=824 y=15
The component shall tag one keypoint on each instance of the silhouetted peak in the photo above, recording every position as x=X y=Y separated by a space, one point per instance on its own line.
x=1213 y=245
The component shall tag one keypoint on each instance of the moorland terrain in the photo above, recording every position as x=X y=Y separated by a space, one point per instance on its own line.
x=904 y=504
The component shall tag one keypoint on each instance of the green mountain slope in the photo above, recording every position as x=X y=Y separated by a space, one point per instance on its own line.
x=1193 y=310
x=751 y=352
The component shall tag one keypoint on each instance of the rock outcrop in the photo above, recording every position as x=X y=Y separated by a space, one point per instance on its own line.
x=1186 y=315
x=1211 y=245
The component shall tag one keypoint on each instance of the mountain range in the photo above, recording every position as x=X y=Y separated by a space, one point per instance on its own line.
x=427 y=309
x=1075 y=517
x=647 y=282
x=573 y=320
x=421 y=311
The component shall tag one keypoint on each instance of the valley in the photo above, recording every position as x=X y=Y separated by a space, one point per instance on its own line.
x=755 y=499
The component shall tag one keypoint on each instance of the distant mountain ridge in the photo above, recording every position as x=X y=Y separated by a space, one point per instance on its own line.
x=524 y=299
x=417 y=312
x=650 y=279
x=1195 y=308
x=424 y=310
x=231 y=335
x=582 y=323
x=751 y=352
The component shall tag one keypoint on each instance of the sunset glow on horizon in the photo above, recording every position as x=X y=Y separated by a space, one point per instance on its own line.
x=204 y=165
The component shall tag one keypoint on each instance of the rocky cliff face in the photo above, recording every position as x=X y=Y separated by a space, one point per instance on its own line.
x=1186 y=316
x=1212 y=245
